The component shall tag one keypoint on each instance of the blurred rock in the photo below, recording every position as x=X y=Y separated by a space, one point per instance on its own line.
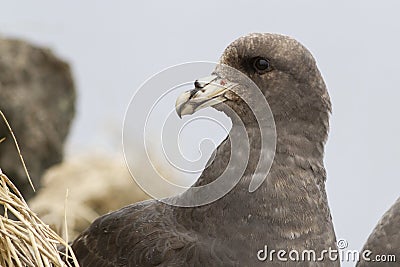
x=37 y=96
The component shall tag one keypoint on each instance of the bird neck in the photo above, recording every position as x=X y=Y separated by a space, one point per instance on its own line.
x=302 y=143
x=291 y=200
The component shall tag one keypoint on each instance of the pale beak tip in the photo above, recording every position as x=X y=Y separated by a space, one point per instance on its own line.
x=178 y=112
x=180 y=103
x=178 y=109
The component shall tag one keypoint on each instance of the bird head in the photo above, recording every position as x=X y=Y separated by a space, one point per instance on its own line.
x=282 y=69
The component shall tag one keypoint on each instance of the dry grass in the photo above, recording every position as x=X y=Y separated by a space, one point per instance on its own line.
x=25 y=240
x=96 y=184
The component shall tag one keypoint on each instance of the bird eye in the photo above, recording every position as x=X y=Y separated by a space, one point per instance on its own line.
x=261 y=65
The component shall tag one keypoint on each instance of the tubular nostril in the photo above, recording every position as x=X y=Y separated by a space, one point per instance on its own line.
x=192 y=93
x=197 y=84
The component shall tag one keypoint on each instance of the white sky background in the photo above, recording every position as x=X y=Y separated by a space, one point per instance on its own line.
x=114 y=46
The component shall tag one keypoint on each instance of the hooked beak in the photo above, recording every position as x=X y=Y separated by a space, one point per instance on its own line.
x=208 y=92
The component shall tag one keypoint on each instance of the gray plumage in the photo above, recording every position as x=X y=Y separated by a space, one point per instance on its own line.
x=384 y=239
x=289 y=210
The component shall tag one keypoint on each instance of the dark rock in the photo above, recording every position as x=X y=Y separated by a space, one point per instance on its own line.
x=37 y=96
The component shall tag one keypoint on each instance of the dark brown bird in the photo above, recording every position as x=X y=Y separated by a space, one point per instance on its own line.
x=288 y=211
x=383 y=245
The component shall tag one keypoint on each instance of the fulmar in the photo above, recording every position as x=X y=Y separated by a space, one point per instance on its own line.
x=383 y=245
x=288 y=212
